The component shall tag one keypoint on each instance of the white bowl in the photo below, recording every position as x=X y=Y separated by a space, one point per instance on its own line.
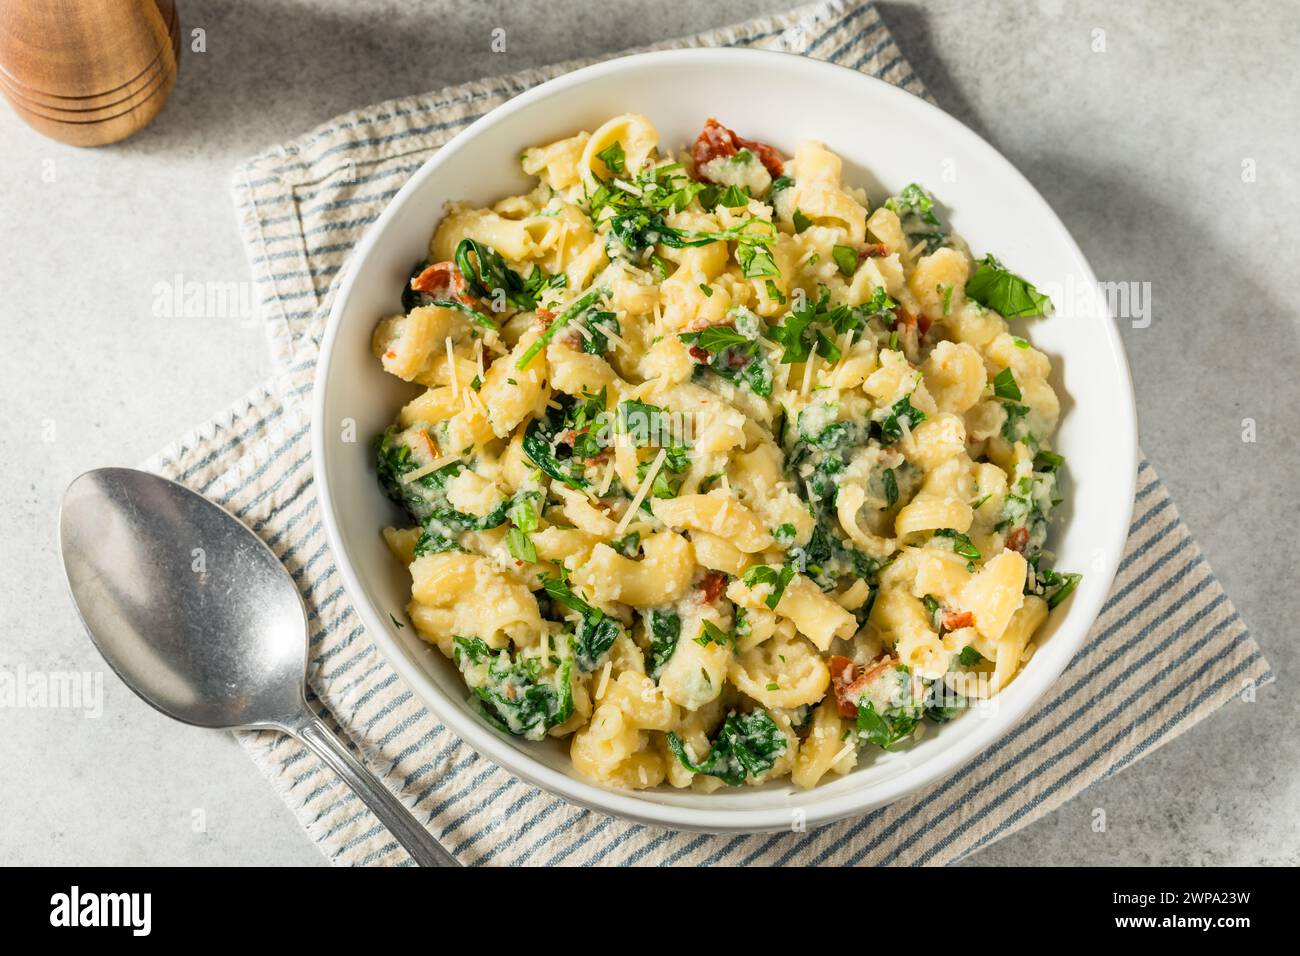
x=888 y=138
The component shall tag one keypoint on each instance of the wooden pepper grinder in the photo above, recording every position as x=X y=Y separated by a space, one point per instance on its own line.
x=88 y=72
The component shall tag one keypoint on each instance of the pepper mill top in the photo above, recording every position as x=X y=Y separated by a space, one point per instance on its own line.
x=88 y=72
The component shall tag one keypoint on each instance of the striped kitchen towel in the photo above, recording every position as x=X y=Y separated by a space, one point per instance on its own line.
x=1167 y=651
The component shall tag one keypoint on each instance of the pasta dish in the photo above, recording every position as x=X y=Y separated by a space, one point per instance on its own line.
x=720 y=472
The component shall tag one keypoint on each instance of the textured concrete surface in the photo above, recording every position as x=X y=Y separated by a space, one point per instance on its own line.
x=1140 y=146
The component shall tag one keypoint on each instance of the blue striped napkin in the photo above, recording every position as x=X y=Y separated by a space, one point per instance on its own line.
x=1167 y=651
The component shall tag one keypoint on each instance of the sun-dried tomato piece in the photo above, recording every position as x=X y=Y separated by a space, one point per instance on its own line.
x=843 y=673
x=1018 y=539
x=848 y=695
x=711 y=585
x=716 y=140
x=952 y=620
x=908 y=319
x=442 y=280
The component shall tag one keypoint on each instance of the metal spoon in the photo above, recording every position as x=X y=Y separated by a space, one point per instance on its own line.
x=201 y=619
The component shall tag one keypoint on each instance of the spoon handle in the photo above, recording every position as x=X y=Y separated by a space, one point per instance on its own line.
x=417 y=841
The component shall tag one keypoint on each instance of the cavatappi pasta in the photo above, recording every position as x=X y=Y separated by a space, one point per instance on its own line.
x=719 y=472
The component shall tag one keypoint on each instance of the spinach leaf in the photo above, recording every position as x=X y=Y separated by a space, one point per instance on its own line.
x=410 y=298
x=715 y=338
x=629 y=546
x=799 y=330
x=778 y=578
x=891 y=488
x=597 y=324
x=579 y=305
x=846 y=258
x=734 y=197
x=613 y=157
x=486 y=272
x=474 y=314
x=1052 y=585
x=512 y=695
x=1004 y=385
x=884 y=730
x=425 y=498
x=915 y=209
x=734 y=352
x=1015 y=427
x=523 y=517
x=642 y=422
x=596 y=631
x=754 y=257
x=891 y=426
x=748 y=745
x=993 y=287
x=666 y=483
x=560 y=440
x=664 y=630
x=961 y=544
x=1048 y=461
x=710 y=633
x=1028 y=505
x=941 y=704
x=827 y=557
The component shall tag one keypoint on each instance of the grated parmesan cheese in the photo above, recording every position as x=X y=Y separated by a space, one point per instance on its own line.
x=721 y=517
x=618 y=341
x=604 y=680
x=641 y=492
x=608 y=480
x=428 y=469
x=808 y=367
x=451 y=365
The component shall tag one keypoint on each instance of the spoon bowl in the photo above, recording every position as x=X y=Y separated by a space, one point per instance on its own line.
x=197 y=616
x=229 y=649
